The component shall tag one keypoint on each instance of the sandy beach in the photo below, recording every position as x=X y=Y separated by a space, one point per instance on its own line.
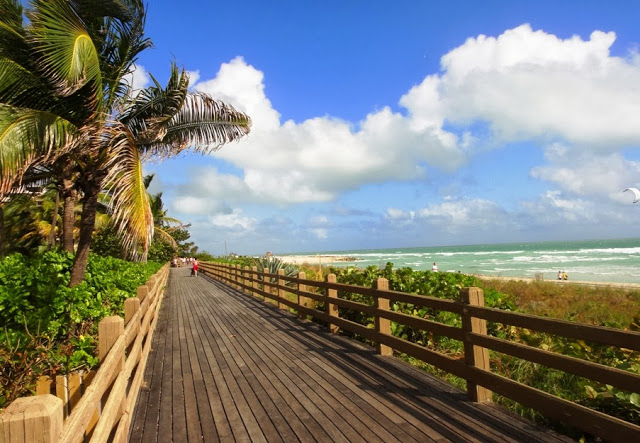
x=596 y=284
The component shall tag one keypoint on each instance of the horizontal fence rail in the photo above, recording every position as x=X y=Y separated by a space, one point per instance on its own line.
x=101 y=406
x=299 y=294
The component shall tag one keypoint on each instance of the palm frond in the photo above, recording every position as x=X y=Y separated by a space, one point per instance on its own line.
x=124 y=42
x=121 y=10
x=28 y=137
x=147 y=180
x=202 y=122
x=169 y=220
x=23 y=88
x=66 y=50
x=153 y=107
x=129 y=198
x=11 y=13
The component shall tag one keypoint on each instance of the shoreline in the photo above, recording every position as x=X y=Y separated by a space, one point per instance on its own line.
x=327 y=260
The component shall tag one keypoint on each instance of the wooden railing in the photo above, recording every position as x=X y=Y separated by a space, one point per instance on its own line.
x=103 y=412
x=475 y=367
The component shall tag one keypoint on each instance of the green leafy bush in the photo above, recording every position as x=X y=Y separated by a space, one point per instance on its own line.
x=49 y=328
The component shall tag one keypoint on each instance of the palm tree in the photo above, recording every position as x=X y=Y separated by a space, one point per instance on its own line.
x=65 y=104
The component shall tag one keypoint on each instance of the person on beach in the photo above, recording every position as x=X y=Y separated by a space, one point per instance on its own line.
x=434 y=268
x=564 y=275
x=559 y=275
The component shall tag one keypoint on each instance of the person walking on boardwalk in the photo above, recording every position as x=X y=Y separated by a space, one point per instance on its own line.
x=194 y=268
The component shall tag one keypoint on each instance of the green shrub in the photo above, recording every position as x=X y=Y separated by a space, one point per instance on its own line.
x=50 y=328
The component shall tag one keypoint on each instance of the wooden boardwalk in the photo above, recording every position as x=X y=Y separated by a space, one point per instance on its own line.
x=228 y=367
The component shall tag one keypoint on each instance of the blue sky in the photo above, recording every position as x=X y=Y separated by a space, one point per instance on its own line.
x=409 y=123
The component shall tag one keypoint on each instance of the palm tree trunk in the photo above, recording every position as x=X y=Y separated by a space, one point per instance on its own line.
x=54 y=221
x=69 y=195
x=87 y=225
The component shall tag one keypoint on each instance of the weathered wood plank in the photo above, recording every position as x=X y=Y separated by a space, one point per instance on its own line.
x=275 y=385
x=204 y=415
x=257 y=382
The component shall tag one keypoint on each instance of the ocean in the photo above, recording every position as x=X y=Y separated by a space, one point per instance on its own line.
x=616 y=261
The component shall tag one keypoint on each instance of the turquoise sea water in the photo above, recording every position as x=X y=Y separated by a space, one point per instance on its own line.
x=587 y=260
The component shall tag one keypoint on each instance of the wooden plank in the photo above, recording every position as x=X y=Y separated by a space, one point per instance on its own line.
x=599 y=334
x=204 y=413
x=87 y=378
x=193 y=429
x=314 y=389
x=591 y=421
x=74 y=388
x=318 y=394
x=269 y=387
x=145 y=421
x=290 y=393
x=44 y=385
x=474 y=355
x=332 y=308
x=63 y=393
x=424 y=324
x=265 y=414
x=352 y=392
x=382 y=323
x=229 y=421
x=594 y=371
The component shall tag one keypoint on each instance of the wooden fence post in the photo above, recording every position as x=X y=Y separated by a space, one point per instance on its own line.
x=383 y=325
x=151 y=284
x=475 y=356
x=109 y=329
x=280 y=290
x=234 y=276
x=245 y=280
x=36 y=419
x=254 y=276
x=142 y=292
x=131 y=306
x=302 y=300
x=265 y=286
x=332 y=308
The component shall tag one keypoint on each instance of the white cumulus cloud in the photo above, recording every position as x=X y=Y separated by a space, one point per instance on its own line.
x=569 y=98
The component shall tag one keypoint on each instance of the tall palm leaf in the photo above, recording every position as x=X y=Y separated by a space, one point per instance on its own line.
x=167 y=121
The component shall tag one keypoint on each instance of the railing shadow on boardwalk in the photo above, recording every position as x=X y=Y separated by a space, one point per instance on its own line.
x=376 y=377
x=301 y=382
